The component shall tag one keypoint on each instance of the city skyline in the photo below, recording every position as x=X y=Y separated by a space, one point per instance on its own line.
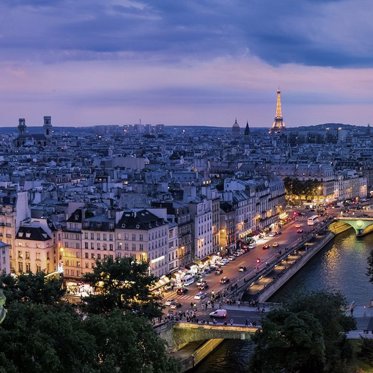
x=203 y=63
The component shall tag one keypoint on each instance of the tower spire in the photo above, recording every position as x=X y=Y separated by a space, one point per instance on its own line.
x=278 y=124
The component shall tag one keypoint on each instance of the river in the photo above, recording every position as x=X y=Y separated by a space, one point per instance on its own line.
x=340 y=266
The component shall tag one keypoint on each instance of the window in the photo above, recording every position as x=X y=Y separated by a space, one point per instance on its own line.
x=98 y=256
x=38 y=257
x=98 y=236
x=133 y=247
x=86 y=235
x=28 y=267
x=20 y=267
x=141 y=237
x=92 y=236
x=86 y=255
x=133 y=236
x=38 y=268
x=92 y=246
x=111 y=247
x=104 y=236
x=77 y=245
x=20 y=256
x=98 y=246
x=92 y=256
x=110 y=237
x=126 y=236
x=86 y=245
x=104 y=246
x=87 y=265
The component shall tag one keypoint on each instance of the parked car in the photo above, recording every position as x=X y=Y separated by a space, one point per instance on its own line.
x=224 y=280
x=219 y=313
x=252 y=246
x=219 y=271
x=175 y=305
x=272 y=234
x=200 y=281
x=300 y=230
x=242 y=269
x=181 y=291
x=275 y=244
x=266 y=246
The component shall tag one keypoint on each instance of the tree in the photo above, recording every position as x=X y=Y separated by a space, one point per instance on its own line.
x=42 y=338
x=125 y=284
x=307 y=334
x=370 y=266
x=32 y=288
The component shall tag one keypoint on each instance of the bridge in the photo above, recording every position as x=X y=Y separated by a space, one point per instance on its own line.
x=180 y=334
x=361 y=225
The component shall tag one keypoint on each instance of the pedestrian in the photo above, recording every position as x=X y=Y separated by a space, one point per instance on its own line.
x=238 y=303
x=231 y=321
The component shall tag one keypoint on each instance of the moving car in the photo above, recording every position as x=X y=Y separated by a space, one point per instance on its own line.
x=181 y=291
x=242 y=269
x=219 y=313
x=300 y=230
x=297 y=225
x=203 y=286
x=175 y=305
x=168 y=302
x=275 y=244
x=266 y=246
x=200 y=295
x=224 y=280
x=219 y=271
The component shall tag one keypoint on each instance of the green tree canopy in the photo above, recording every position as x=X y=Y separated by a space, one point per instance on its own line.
x=42 y=338
x=32 y=288
x=124 y=284
x=305 y=335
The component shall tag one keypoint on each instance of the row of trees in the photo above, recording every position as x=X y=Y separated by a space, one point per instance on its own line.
x=109 y=332
x=306 y=189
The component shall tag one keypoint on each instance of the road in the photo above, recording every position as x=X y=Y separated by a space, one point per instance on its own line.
x=289 y=237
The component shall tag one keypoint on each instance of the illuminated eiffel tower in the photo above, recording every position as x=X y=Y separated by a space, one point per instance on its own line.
x=278 y=125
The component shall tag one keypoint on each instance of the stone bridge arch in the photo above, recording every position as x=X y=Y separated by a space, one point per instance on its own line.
x=361 y=226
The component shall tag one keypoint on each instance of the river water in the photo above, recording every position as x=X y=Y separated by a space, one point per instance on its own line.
x=340 y=266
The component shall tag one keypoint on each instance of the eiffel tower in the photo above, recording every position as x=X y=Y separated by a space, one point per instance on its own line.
x=278 y=124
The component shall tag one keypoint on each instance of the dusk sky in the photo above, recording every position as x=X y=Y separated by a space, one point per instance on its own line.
x=184 y=62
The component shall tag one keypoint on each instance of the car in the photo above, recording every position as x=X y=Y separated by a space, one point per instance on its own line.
x=300 y=230
x=224 y=280
x=231 y=258
x=242 y=269
x=203 y=286
x=252 y=246
x=175 y=305
x=266 y=246
x=275 y=244
x=200 y=281
x=168 y=302
x=181 y=291
x=219 y=313
x=272 y=234
x=297 y=225
x=200 y=295
x=219 y=271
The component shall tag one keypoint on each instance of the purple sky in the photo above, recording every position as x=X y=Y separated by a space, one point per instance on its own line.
x=87 y=62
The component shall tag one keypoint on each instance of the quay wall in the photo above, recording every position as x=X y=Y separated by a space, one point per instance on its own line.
x=276 y=285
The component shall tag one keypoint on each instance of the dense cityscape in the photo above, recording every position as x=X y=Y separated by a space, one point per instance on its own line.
x=181 y=204
x=186 y=186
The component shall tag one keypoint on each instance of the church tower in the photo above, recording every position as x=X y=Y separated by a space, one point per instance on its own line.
x=22 y=126
x=278 y=124
x=246 y=133
x=47 y=127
